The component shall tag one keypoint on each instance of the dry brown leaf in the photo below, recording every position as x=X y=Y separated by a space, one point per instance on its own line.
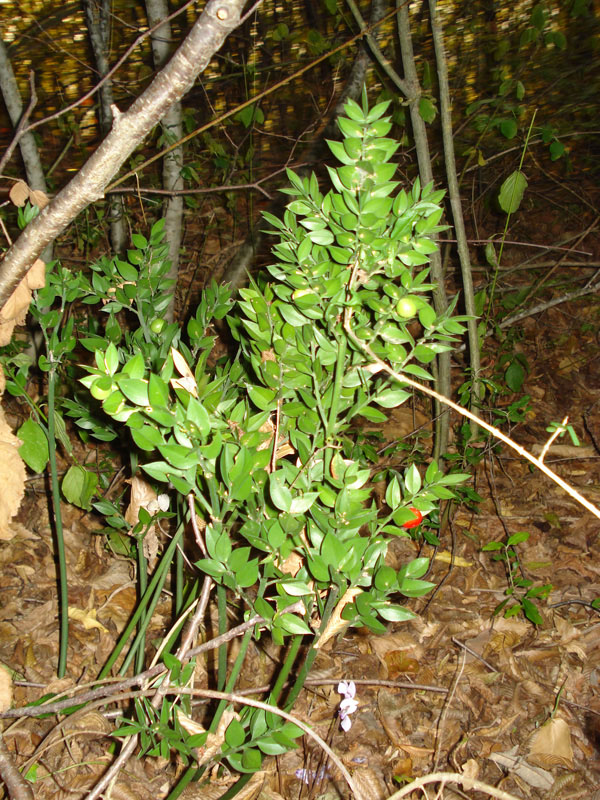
x=551 y=745
x=12 y=477
x=446 y=558
x=39 y=198
x=370 y=784
x=19 y=193
x=87 y=617
x=336 y=624
x=471 y=768
x=397 y=652
x=144 y=496
x=15 y=309
x=5 y=688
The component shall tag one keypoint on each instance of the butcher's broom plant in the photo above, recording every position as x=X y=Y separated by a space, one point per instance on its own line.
x=262 y=445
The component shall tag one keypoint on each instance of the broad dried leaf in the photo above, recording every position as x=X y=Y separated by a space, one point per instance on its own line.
x=5 y=688
x=181 y=364
x=446 y=558
x=142 y=496
x=551 y=745
x=16 y=307
x=19 y=193
x=12 y=477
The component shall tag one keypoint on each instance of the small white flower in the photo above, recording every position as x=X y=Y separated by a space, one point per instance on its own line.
x=348 y=705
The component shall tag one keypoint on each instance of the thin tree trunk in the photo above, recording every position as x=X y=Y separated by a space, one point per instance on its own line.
x=97 y=16
x=173 y=161
x=27 y=144
x=455 y=204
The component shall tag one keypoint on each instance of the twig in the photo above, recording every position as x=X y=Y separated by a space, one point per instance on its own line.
x=474 y=654
x=445 y=710
x=16 y=785
x=470 y=784
x=401 y=377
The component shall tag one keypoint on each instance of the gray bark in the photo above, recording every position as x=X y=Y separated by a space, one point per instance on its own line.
x=218 y=19
x=27 y=144
x=455 y=204
x=97 y=16
x=173 y=161
x=440 y=298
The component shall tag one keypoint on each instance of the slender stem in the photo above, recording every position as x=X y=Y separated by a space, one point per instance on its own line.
x=284 y=672
x=58 y=527
x=159 y=574
x=179 y=582
x=235 y=671
x=222 y=657
x=142 y=565
x=335 y=399
x=312 y=653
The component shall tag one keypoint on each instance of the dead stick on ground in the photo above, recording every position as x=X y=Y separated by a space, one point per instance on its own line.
x=16 y=785
x=470 y=784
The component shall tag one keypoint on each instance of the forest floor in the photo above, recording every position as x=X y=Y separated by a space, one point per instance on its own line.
x=456 y=690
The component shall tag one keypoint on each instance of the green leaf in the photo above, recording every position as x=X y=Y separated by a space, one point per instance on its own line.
x=508 y=128
x=235 y=735
x=514 y=376
x=517 y=538
x=427 y=110
x=391 y=398
x=198 y=416
x=158 y=391
x=395 y=613
x=34 y=450
x=531 y=612
x=412 y=480
x=135 y=390
x=290 y=623
x=79 y=486
x=261 y=397
x=280 y=494
x=511 y=192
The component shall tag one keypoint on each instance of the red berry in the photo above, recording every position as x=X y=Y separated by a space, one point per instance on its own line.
x=413 y=523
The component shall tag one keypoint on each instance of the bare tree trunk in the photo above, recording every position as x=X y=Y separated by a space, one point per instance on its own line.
x=440 y=298
x=97 y=16
x=27 y=144
x=455 y=204
x=218 y=19
x=173 y=161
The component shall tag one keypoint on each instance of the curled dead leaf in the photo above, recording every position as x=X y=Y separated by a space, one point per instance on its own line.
x=336 y=624
x=12 y=477
x=87 y=617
